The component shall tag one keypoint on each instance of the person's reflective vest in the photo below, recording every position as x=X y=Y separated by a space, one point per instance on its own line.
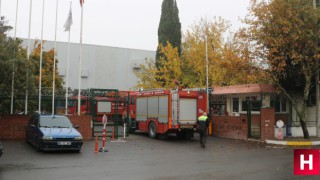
x=202 y=118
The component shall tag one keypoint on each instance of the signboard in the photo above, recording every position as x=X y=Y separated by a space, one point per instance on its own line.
x=104 y=119
x=280 y=123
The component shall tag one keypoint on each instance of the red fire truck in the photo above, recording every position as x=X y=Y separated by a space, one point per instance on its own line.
x=161 y=112
x=105 y=105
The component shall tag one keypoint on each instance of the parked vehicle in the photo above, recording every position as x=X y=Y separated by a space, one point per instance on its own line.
x=53 y=132
x=1 y=149
x=111 y=104
x=161 y=112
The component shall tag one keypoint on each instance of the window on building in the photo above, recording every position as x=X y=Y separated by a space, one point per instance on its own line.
x=219 y=105
x=311 y=99
x=253 y=101
x=279 y=104
x=235 y=104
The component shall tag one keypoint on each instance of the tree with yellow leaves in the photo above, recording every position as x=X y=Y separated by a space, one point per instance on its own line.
x=228 y=59
x=163 y=77
x=47 y=68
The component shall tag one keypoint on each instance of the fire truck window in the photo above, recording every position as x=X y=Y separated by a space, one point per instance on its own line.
x=70 y=103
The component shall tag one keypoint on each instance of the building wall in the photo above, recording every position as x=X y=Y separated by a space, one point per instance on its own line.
x=310 y=114
x=102 y=66
x=295 y=131
x=267 y=123
x=230 y=127
x=13 y=127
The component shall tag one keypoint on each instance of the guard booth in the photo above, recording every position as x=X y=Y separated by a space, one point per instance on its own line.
x=108 y=102
x=237 y=110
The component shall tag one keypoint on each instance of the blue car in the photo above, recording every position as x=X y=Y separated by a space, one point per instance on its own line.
x=1 y=149
x=53 y=132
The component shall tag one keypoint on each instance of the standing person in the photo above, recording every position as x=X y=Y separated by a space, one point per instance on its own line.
x=203 y=123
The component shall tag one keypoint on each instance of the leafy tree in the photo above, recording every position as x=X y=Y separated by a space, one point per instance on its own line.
x=228 y=59
x=47 y=68
x=228 y=62
x=12 y=59
x=46 y=74
x=285 y=34
x=167 y=73
x=169 y=29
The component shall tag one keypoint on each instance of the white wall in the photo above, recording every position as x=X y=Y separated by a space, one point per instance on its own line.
x=106 y=67
x=295 y=131
x=310 y=112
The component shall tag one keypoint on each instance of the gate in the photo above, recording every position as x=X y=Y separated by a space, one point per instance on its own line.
x=107 y=102
x=254 y=124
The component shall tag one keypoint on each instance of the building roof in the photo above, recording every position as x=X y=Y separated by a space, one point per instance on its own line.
x=244 y=89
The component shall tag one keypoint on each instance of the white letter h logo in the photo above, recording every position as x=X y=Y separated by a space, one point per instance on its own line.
x=303 y=162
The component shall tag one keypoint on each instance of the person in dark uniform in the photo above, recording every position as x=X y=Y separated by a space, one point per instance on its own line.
x=203 y=122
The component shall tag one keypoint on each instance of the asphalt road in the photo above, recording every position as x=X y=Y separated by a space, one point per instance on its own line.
x=141 y=158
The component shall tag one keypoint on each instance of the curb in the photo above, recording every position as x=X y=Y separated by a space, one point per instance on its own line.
x=294 y=143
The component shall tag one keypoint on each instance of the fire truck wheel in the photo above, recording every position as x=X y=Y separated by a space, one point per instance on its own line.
x=132 y=131
x=180 y=135
x=152 y=130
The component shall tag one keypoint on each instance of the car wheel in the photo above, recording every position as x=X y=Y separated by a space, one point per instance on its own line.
x=37 y=145
x=152 y=130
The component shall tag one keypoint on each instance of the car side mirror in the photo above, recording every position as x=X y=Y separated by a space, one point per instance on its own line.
x=76 y=126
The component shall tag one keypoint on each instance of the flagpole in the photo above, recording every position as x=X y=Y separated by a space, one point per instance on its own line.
x=40 y=66
x=0 y=10
x=28 y=54
x=68 y=62
x=54 y=59
x=15 y=54
x=80 y=63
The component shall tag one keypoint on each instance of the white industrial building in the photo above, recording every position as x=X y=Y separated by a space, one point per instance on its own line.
x=103 y=67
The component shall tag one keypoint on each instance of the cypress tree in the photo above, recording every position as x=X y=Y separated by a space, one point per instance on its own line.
x=169 y=29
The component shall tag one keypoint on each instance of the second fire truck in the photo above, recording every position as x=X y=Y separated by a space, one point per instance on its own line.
x=161 y=112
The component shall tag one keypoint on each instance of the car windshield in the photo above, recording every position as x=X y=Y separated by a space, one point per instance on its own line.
x=61 y=122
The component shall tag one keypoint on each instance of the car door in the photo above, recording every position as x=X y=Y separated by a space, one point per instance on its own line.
x=33 y=129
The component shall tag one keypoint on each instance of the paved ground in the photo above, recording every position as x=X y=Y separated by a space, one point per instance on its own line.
x=143 y=158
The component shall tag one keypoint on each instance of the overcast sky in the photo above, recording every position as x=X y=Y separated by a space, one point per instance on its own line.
x=119 y=23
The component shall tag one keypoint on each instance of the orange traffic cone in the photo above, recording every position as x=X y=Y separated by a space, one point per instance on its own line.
x=96 y=144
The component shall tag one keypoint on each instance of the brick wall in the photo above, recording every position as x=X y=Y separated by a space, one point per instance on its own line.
x=84 y=123
x=267 y=123
x=283 y=117
x=13 y=127
x=230 y=127
x=236 y=127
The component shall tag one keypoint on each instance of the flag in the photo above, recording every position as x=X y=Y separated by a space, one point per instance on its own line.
x=81 y=2
x=69 y=22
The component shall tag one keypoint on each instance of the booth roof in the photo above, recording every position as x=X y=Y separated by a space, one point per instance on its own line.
x=244 y=89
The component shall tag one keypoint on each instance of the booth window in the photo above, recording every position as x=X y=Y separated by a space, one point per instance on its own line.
x=235 y=104
x=254 y=101
x=279 y=104
x=219 y=105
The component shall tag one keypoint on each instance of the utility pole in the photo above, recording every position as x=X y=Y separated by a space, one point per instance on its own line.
x=317 y=87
